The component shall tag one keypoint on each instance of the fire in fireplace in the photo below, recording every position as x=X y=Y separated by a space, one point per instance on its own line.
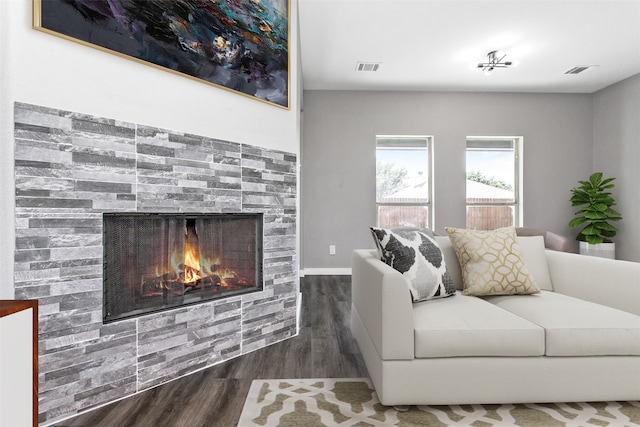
x=155 y=262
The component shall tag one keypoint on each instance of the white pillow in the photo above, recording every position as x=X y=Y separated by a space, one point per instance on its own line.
x=535 y=257
x=451 y=260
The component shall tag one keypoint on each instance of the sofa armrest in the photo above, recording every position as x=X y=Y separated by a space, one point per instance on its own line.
x=614 y=283
x=382 y=299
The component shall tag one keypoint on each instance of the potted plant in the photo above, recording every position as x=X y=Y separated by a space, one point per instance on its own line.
x=595 y=215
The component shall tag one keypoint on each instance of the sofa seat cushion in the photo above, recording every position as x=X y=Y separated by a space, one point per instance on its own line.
x=463 y=325
x=574 y=327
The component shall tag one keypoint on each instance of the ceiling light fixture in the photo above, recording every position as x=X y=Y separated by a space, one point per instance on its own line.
x=495 y=61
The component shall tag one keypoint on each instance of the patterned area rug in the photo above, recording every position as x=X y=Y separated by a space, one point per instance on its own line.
x=353 y=402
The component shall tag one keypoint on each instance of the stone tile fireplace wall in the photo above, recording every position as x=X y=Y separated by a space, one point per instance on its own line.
x=70 y=168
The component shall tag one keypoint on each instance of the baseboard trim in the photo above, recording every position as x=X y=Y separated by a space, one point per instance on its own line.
x=325 y=272
x=299 y=312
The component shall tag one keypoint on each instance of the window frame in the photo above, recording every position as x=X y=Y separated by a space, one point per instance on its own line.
x=517 y=204
x=429 y=204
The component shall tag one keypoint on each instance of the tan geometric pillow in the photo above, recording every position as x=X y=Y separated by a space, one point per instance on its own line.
x=491 y=262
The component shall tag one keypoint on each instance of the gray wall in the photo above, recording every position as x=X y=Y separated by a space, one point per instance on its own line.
x=616 y=152
x=338 y=157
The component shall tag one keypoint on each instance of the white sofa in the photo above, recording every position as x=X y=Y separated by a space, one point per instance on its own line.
x=578 y=342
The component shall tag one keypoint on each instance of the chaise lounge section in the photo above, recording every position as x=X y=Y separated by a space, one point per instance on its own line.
x=578 y=339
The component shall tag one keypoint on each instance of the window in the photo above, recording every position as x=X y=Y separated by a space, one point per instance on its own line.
x=403 y=181
x=494 y=197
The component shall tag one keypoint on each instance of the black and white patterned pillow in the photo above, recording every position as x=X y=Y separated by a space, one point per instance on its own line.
x=418 y=257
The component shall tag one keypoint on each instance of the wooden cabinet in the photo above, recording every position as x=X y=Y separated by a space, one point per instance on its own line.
x=18 y=363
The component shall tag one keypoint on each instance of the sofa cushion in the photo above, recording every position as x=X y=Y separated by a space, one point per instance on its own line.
x=535 y=258
x=491 y=262
x=418 y=257
x=451 y=261
x=534 y=255
x=574 y=327
x=469 y=326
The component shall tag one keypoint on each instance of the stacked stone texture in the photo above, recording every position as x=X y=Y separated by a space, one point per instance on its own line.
x=71 y=168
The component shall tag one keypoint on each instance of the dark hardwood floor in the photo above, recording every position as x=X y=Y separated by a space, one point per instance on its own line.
x=214 y=397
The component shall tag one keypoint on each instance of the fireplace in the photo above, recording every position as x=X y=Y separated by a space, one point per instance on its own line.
x=155 y=262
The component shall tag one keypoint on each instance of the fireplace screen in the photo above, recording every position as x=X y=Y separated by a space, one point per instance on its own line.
x=156 y=262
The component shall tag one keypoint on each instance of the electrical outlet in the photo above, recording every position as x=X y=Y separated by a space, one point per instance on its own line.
x=332 y=249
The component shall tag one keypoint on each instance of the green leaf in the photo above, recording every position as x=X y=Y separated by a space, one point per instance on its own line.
x=590 y=230
x=580 y=193
x=579 y=202
x=595 y=178
x=594 y=240
x=604 y=198
x=613 y=213
x=595 y=215
x=577 y=221
x=607 y=181
x=608 y=227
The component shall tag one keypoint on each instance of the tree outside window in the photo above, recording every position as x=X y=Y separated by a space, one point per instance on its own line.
x=494 y=198
x=403 y=181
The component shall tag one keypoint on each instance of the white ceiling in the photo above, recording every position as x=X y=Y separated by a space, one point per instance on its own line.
x=435 y=45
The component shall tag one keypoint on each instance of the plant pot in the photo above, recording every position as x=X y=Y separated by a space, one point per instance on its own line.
x=602 y=250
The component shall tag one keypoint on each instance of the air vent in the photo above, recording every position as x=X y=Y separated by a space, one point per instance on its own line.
x=579 y=69
x=367 y=66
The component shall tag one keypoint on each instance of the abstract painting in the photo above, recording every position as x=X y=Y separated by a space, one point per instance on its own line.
x=239 y=45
